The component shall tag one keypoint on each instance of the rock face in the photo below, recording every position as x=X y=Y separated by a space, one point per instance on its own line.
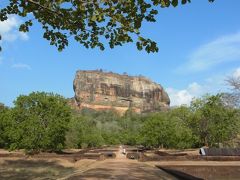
x=105 y=90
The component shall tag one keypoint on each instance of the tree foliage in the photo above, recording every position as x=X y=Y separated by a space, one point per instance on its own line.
x=90 y=22
x=162 y=130
x=5 y=115
x=83 y=133
x=93 y=129
x=43 y=121
x=39 y=122
x=213 y=122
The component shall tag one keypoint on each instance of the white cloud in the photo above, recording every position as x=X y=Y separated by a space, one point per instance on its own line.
x=236 y=73
x=9 y=30
x=184 y=96
x=212 y=85
x=221 y=50
x=179 y=97
x=21 y=66
x=23 y=36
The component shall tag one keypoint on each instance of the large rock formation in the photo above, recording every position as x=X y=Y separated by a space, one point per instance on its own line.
x=105 y=90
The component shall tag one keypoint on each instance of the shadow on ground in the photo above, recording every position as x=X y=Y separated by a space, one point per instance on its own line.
x=32 y=169
x=203 y=172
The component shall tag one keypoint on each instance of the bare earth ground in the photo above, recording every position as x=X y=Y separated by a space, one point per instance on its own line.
x=119 y=168
x=122 y=168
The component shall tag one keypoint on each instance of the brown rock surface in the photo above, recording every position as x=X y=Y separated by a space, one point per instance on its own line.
x=106 y=90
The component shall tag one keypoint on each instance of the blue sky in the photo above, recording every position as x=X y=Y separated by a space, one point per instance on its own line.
x=199 y=47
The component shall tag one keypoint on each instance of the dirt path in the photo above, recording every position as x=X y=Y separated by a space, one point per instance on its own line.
x=121 y=168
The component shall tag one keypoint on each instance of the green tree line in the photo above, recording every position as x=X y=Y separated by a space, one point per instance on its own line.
x=44 y=122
